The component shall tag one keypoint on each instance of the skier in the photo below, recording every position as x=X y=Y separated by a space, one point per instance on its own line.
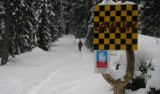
x=80 y=45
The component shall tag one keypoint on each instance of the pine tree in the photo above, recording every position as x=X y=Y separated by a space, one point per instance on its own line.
x=79 y=17
x=1 y=21
x=21 y=26
x=22 y=29
x=66 y=4
x=18 y=22
x=150 y=18
x=89 y=36
x=1 y=25
x=43 y=32
x=76 y=16
x=1 y=18
x=6 y=38
x=56 y=19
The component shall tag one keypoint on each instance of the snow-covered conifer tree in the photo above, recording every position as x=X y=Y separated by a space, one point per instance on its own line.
x=18 y=21
x=56 y=19
x=1 y=25
x=150 y=17
x=23 y=19
x=7 y=16
x=43 y=31
x=89 y=36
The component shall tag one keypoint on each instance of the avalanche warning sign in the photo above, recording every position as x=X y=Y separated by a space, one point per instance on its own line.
x=102 y=60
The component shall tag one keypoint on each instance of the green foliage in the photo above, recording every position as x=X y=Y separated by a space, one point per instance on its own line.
x=57 y=19
x=27 y=19
x=43 y=32
x=1 y=25
x=22 y=20
x=136 y=84
x=89 y=36
x=139 y=81
x=154 y=91
x=77 y=17
x=150 y=18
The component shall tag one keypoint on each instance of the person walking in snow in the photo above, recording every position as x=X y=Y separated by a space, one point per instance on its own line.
x=80 y=45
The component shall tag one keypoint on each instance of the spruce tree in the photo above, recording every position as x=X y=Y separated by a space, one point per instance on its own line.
x=76 y=16
x=43 y=31
x=58 y=9
x=21 y=26
x=67 y=15
x=1 y=18
x=79 y=17
x=150 y=18
x=56 y=19
x=1 y=25
x=18 y=21
x=6 y=35
x=1 y=22
x=22 y=29
x=89 y=36
x=49 y=22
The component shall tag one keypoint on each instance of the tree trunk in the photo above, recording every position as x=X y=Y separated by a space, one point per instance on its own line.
x=118 y=88
x=5 y=41
x=118 y=85
x=67 y=28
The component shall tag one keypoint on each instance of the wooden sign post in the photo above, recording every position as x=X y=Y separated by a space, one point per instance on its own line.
x=115 y=28
x=118 y=85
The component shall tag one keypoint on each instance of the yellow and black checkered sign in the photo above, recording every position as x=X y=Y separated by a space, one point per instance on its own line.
x=115 y=27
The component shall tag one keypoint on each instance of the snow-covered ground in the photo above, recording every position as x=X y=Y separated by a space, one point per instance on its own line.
x=62 y=70
x=148 y=51
x=150 y=46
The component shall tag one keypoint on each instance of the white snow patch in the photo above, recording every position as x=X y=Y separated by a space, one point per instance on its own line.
x=65 y=70
x=111 y=2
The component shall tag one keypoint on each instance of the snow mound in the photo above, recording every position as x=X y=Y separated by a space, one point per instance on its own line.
x=111 y=2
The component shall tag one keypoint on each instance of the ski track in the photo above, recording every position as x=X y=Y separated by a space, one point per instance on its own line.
x=74 y=73
x=62 y=70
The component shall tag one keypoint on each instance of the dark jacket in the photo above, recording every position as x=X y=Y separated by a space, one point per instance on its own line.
x=80 y=44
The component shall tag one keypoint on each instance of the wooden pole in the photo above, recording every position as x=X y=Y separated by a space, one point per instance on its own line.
x=118 y=85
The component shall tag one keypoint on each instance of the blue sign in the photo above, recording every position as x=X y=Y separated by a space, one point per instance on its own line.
x=102 y=59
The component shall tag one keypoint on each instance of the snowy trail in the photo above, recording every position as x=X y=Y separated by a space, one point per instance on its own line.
x=62 y=70
x=74 y=72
